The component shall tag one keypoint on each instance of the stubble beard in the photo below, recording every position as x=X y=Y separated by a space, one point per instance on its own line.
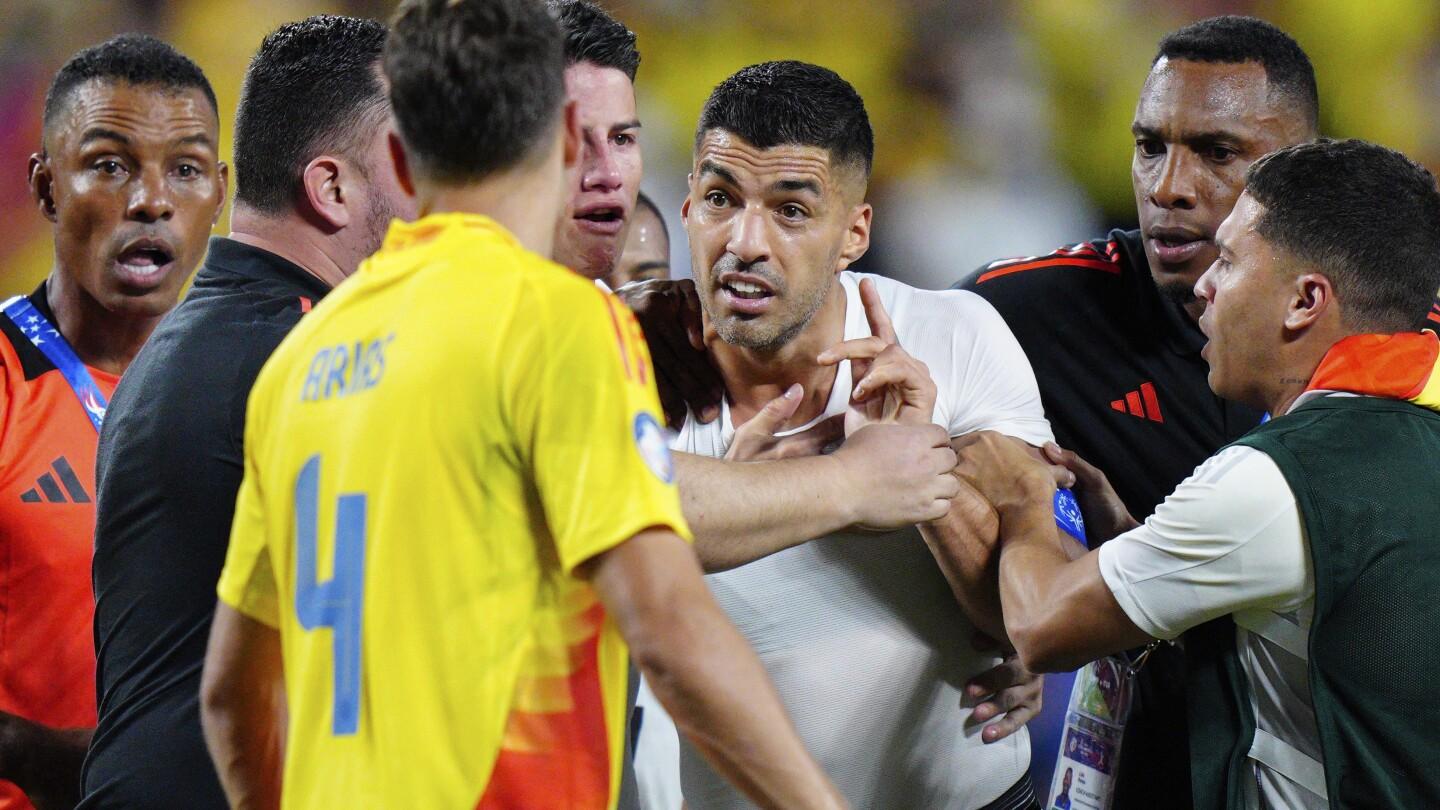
x=755 y=334
x=1177 y=292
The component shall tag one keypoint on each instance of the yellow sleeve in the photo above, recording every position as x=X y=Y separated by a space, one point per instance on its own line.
x=588 y=424
x=247 y=583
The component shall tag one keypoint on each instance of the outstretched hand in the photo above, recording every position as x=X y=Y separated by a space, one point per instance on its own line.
x=890 y=386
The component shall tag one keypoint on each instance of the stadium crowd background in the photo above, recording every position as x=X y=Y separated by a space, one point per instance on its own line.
x=1001 y=125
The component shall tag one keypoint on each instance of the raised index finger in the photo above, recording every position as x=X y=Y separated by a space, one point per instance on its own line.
x=880 y=325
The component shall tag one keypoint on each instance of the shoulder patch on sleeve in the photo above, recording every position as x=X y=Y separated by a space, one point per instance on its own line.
x=654 y=448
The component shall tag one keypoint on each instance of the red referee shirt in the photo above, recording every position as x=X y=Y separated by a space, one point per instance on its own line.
x=47 y=526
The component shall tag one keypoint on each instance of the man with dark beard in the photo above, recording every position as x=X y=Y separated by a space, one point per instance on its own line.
x=776 y=212
x=315 y=194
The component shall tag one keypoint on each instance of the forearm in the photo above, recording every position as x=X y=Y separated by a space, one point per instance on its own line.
x=721 y=699
x=742 y=511
x=246 y=742
x=1058 y=610
x=1031 y=560
x=965 y=553
x=43 y=761
x=243 y=710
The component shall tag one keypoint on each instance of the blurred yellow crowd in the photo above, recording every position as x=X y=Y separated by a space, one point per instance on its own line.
x=986 y=91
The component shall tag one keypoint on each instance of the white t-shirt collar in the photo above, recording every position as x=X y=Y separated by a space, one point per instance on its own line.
x=856 y=326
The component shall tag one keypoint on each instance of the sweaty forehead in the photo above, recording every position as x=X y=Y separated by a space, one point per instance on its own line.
x=142 y=113
x=1184 y=96
x=746 y=162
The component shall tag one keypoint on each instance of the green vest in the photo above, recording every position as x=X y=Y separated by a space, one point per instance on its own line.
x=1366 y=475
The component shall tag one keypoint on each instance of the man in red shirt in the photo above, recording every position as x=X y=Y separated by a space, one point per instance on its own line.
x=130 y=177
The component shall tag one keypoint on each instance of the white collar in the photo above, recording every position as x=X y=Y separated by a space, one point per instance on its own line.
x=856 y=326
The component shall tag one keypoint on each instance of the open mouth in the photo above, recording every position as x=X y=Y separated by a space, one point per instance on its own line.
x=745 y=296
x=144 y=262
x=746 y=290
x=606 y=220
x=603 y=215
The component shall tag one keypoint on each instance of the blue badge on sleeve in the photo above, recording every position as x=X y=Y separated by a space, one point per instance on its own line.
x=654 y=448
x=1068 y=517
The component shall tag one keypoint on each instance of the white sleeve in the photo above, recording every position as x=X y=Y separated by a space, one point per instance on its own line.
x=990 y=381
x=657 y=754
x=1228 y=539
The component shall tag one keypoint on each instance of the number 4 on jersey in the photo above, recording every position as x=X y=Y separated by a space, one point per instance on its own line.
x=335 y=603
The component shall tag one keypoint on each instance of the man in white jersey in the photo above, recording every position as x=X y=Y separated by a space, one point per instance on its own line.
x=865 y=638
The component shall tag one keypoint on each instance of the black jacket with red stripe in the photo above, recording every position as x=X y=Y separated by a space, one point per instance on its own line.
x=1123 y=385
x=1118 y=365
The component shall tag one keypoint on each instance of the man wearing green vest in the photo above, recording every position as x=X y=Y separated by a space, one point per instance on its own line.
x=1302 y=562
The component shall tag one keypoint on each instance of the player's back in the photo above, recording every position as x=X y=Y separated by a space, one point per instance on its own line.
x=420 y=601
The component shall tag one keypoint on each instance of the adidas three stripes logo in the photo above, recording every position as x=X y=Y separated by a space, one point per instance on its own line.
x=61 y=487
x=1142 y=403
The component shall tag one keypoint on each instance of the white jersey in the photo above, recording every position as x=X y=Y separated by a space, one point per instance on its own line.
x=860 y=631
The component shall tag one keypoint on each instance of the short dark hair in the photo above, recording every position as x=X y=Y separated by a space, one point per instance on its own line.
x=137 y=59
x=792 y=103
x=474 y=84
x=1233 y=39
x=313 y=87
x=1366 y=216
x=593 y=35
x=644 y=201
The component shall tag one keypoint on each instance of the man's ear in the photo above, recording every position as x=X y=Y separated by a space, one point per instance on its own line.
x=325 y=191
x=42 y=188
x=857 y=236
x=401 y=163
x=685 y=207
x=224 y=174
x=1313 y=298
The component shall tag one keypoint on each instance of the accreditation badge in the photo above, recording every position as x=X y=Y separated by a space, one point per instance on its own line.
x=1100 y=698
x=1085 y=766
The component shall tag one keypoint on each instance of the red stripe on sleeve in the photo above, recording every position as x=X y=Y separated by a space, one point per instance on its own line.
x=1093 y=264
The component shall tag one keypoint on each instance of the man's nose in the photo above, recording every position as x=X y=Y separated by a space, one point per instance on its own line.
x=749 y=241
x=151 y=198
x=1174 y=186
x=601 y=170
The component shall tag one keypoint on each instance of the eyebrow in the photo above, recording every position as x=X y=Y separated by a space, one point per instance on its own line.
x=1189 y=138
x=103 y=134
x=624 y=125
x=643 y=266
x=797 y=185
x=707 y=167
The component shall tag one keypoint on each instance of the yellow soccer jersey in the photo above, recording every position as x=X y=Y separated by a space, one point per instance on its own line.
x=429 y=455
